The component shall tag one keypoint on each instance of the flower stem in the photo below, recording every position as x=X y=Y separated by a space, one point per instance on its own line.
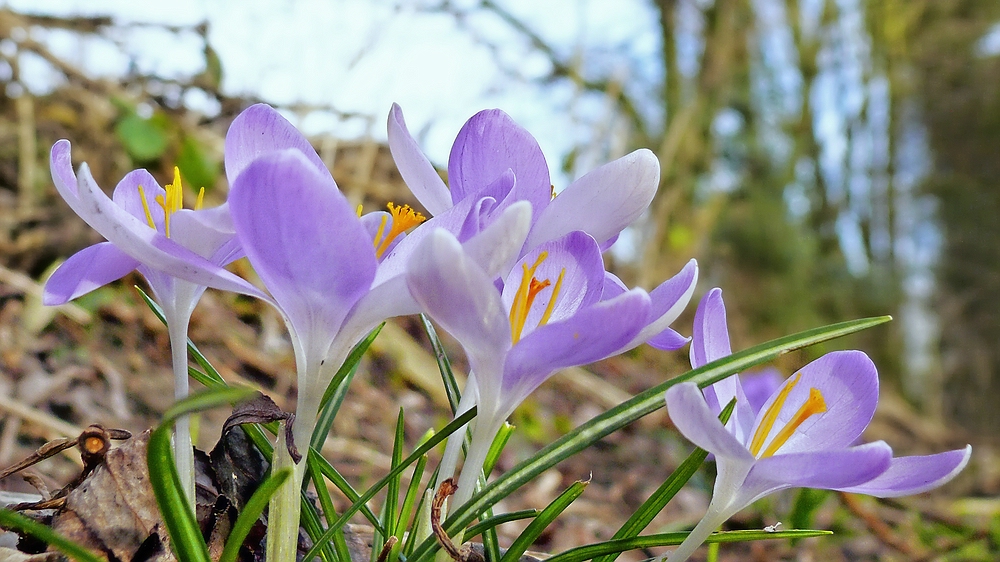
x=283 y=510
x=712 y=521
x=183 y=448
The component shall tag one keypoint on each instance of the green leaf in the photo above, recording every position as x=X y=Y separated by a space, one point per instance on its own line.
x=144 y=139
x=587 y=552
x=497 y=520
x=13 y=520
x=251 y=512
x=629 y=411
x=444 y=365
x=326 y=502
x=542 y=521
x=666 y=492
x=447 y=430
x=338 y=480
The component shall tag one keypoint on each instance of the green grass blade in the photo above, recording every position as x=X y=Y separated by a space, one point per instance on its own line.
x=251 y=512
x=410 y=499
x=422 y=449
x=392 y=489
x=542 y=521
x=338 y=480
x=13 y=520
x=335 y=392
x=326 y=502
x=498 y=520
x=627 y=412
x=587 y=552
x=499 y=442
x=666 y=492
x=444 y=364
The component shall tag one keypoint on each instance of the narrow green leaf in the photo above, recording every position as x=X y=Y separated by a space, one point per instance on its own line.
x=629 y=411
x=587 y=552
x=542 y=521
x=410 y=499
x=251 y=512
x=497 y=447
x=392 y=489
x=13 y=520
x=338 y=480
x=444 y=364
x=326 y=502
x=666 y=492
x=423 y=448
x=185 y=535
x=335 y=392
x=497 y=520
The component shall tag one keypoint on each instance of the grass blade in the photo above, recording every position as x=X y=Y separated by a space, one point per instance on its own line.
x=587 y=552
x=13 y=520
x=422 y=449
x=627 y=412
x=498 y=520
x=444 y=364
x=542 y=521
x=251 y=512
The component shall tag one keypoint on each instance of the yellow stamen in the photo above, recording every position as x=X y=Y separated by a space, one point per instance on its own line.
x=145 y=207
x=200 y=202
x=403 y=218
x=552 y=300
x=526 y=292
x=813 y=405
x=358 y=211
x=378 y=233
x=772 y=415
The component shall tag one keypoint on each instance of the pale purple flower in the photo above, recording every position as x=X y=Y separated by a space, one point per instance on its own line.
x=803 y=436
x=555 y=309
x=495 y=162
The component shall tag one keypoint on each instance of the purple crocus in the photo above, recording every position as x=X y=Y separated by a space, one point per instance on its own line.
x=332 y=274
x=803 y=436
x=179 y=251
x=554 y=309
x=495 y=162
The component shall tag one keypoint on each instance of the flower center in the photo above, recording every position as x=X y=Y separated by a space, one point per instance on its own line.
x=812 y=406
x=403 y=218
x=525 y=296
x=171 y=202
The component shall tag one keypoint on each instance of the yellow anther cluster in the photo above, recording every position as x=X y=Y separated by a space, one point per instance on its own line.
x=403 y=218
x=525 y=296
x=171 y=202
x=812 y=406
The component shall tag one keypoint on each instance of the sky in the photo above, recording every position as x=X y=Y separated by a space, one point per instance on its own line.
x=359 y=57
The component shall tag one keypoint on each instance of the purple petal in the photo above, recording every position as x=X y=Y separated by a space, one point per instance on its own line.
x=849 y=385
x=416 y=170
x=668 y=340
x=61 y=167
x=700 y=425
x=489 y=144
x=578 y=256
x=126 y=196
x=613 y=286
x=134 y=237
x=710 y=336
x=828 y=470
x=913 y=475
x=668 y=302
x=258 y=130
x=498 y=244
x=191 y=230
x=86 y=270
x=458 y=295
x=759 y=386
x=591 y=334
x=303 y=239
x=602 y=202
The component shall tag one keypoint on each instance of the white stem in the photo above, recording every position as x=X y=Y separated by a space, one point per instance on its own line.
x=449 y=461
x=283 y=510
x=482 y=438
x=712 y=521
x=177 y=329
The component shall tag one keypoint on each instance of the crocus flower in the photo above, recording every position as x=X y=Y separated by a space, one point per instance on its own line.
x=553 y=310
x=803 y=436
x=179 y=251
x=332 y=274
x=495 y=162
